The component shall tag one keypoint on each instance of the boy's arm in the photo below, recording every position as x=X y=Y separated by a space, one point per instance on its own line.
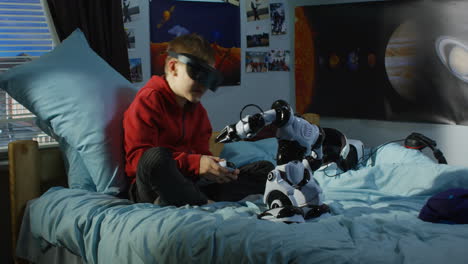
x=190 y=163
x=140 y=131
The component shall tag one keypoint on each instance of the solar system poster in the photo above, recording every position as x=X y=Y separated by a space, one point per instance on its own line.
x=219 y=23
x=392 y=60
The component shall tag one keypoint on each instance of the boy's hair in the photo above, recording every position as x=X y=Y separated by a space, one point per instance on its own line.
x=193 y=44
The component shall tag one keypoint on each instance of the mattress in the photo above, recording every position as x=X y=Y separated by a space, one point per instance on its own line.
x=373 y=219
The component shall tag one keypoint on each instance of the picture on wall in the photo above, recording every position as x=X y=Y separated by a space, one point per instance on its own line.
x=136 y=73
x=130 y=33
x=278 y=19
x=233 y=2
x=130 y=10
x=258 y=40
x=256 y=61
x=219 y=23
x=256 y=10
x=279 y=60
x=392 y=60
x=257 y=36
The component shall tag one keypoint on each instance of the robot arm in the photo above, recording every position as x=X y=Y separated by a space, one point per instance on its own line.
x=246 y=128
x=249 y=126
x=290 y=128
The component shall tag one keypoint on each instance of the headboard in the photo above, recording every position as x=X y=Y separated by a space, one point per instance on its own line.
x=33 y=170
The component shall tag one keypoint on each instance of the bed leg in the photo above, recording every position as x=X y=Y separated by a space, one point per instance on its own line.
x=23 y=157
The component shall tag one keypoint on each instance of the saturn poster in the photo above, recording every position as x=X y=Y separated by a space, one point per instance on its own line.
x=218 y=22
x=383 y=60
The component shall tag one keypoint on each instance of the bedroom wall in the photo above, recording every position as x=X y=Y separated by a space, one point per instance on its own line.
x=264 y=88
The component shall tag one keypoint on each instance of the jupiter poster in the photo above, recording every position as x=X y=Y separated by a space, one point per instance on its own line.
x=219 y=23
x=383 y=60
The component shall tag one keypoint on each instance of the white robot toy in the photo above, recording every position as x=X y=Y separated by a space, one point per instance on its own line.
x=291 y=192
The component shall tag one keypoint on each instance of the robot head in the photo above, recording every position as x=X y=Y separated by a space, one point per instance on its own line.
x=345 y=153
x=292 y=184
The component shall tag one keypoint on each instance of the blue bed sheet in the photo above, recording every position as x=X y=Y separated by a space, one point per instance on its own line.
x=373 y=220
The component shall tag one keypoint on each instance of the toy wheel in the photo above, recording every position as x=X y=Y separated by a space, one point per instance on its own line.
x=277 y=199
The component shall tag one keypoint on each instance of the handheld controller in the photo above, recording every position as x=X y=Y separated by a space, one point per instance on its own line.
x=226 y=164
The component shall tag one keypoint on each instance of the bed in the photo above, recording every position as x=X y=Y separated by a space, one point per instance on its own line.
x=36 y=172
x=63 y=209
x=373 y=219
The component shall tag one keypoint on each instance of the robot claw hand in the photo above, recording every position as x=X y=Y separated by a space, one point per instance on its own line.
x=228 y=135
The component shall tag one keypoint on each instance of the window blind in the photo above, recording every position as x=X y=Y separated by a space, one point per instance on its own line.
x=25 y=34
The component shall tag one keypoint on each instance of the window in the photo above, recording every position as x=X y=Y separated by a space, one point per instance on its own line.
x=25 y=34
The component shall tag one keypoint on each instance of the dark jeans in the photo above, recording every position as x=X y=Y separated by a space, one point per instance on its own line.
x=158 y=176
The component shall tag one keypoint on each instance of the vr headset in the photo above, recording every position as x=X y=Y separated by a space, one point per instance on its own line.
x=345 y=153
x=199 y=70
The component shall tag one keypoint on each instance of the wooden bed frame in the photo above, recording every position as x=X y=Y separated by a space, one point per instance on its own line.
x=33 y=170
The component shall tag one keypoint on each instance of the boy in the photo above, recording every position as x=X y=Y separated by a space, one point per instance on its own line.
x=167 y=132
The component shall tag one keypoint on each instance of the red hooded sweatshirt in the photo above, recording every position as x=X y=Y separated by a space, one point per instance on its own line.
x=154 y=119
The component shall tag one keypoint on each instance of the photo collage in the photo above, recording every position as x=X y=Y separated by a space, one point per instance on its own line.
x=265 y=21
x=131 y=18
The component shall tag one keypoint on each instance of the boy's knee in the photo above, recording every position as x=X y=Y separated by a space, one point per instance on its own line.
x=155 y=158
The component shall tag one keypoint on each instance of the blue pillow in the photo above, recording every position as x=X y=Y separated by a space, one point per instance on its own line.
x=397 y=153
x=245 y=152
x=77 y=174
x=79 y=99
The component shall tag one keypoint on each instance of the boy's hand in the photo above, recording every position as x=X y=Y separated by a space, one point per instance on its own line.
x=211 y=170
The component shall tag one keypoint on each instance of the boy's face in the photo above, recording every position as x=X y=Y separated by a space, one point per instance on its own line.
x=185 y=88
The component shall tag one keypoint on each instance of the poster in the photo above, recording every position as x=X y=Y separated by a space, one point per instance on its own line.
x=219 y=23
x=136 y=72
x=257 y=36
x=278 y=19
x=279 y=60
x=130 y=35
x=130 y=10
x=256 y=61
x=257 y=10
x=136 y=30
x=392 y=60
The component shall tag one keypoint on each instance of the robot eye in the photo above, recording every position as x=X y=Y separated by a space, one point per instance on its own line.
x=271 y=176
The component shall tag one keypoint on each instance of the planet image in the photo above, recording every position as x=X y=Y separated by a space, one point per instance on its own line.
x=353 y=61
x=166 y=15
x=321 y=61
x=400 y=59
x=305 y=64
x=334 y=61
x=453 y=54
x=371 y=60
